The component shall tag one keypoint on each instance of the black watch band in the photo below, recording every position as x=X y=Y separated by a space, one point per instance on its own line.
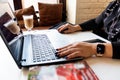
x=100 y=49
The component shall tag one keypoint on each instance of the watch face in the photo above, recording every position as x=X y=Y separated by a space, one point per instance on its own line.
x=100 y=49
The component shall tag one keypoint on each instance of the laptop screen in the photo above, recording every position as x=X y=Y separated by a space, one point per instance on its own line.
x=15 y=47
x=3 y=19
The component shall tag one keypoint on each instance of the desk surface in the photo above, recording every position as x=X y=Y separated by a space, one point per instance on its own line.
x=105 y=68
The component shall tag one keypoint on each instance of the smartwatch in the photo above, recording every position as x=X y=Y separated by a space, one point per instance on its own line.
x=100 y=49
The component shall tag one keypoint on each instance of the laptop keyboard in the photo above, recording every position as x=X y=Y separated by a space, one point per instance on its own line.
x=42 y=48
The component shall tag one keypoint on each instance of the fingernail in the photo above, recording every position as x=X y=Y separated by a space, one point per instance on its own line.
x=66 y=57
x=57 y=54
x=57 y=49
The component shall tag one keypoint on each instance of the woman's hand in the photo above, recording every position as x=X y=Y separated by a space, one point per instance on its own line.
x=78 y=49
x=68 y=28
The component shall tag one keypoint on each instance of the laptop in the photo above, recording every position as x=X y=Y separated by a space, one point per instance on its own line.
x=32 y=48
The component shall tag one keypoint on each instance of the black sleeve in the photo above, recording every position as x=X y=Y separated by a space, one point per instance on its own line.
x=116 y=50
x=96 y=23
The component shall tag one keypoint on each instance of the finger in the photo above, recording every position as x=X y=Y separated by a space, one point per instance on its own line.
x=63 y=28
x=61 y=50
x=67 y=31
x=66 y=52
x=67 y=24
x=64 y=47
x=63 y=31
x=60 y=27
x=73 y=55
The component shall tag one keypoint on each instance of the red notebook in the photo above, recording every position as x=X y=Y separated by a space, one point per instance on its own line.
x=69 y=71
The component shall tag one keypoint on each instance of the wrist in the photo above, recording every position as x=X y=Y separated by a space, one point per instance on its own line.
x=94 y=48
x=108 y=50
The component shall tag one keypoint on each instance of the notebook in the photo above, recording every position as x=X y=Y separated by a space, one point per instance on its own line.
x=23 y=47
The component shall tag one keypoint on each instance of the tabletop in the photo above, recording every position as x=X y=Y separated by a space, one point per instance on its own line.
x=104 y=68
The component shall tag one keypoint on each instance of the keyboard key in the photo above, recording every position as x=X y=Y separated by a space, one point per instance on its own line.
x=42 y=48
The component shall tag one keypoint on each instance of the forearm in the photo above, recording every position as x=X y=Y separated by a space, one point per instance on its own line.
x=108 y=50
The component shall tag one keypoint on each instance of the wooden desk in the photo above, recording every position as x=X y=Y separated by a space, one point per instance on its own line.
x=105 y=68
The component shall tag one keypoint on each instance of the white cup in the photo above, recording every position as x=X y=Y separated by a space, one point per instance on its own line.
x=12 y=27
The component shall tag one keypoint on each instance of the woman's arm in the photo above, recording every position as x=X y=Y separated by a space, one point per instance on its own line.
x=84 y=49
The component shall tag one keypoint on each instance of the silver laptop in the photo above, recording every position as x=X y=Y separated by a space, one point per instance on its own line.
x=34 y=48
